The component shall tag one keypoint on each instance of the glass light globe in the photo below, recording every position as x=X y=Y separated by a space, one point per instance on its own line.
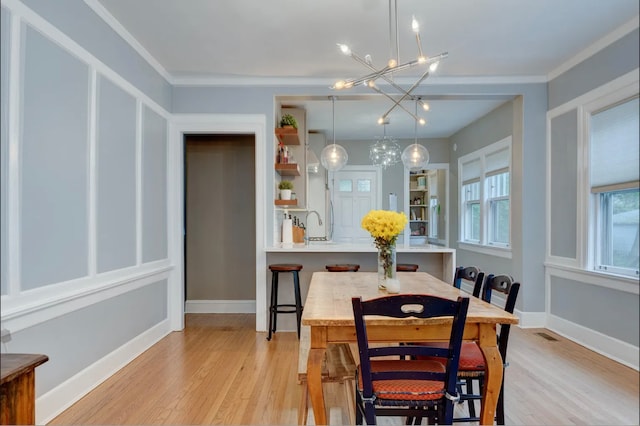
x=333 y=157
x=415 y=157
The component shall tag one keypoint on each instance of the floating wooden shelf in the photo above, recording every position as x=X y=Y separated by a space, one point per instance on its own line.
x=287 y=135
x=292 y=169
x=286 y=202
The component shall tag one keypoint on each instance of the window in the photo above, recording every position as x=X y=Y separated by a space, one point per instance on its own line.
x=364 y=185
x=498 y=199
x=485 y=189
x=471 y=194
x=345 y=185
x=614 y=184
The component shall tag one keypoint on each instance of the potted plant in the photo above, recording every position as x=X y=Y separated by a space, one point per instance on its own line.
x=285 y=188
x=288 y=120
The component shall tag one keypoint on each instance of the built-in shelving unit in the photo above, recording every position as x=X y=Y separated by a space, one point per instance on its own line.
x=418 y=207
x=287 y=135
x=291 y=169
x=286 y=203
x=290 y=164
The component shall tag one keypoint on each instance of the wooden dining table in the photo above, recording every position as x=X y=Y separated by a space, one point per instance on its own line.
x=329 y=315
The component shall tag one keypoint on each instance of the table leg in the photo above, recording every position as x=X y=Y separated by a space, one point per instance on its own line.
x=493 y=373
x=314 y=383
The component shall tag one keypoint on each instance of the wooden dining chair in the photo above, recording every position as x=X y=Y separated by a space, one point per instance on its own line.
x=472 y=365
x=408 y=387
x=470 y=274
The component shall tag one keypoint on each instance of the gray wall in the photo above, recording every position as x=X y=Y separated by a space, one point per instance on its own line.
x=54 y=164
x=611 y=62
x=76 y=340
x=79 y=22
x=500 y=123
x=595 y=307
x=90 y=178
x=116 y=171
x=582 y=304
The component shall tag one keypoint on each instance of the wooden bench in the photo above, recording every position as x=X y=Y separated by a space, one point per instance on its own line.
x=339 y=366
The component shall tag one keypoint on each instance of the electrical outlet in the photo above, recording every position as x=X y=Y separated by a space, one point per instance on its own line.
x=5 y=336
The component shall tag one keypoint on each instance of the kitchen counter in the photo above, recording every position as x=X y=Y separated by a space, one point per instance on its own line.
x=436 y=260
x=330 y=247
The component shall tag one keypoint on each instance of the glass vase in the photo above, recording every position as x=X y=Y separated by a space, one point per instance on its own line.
x=386 y=264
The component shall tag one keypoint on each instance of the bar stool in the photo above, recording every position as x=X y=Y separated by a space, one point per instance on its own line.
x=344 y=267
x=406 y=267
x=275 y=308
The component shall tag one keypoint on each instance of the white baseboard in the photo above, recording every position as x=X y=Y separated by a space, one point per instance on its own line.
x=67 y=393
x=220 y=307
x=531 y=319
x=527 y=319
x=610 y=347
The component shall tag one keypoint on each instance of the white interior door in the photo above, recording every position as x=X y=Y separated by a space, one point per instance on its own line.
x=355 y=192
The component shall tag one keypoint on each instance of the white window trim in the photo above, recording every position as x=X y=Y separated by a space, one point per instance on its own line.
x=587 y=203
x=483 y=246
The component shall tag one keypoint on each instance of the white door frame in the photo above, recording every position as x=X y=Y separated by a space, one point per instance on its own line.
x=182 y=124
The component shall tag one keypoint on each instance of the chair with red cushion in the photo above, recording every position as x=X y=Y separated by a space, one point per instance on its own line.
x=405 y=386
x=472 y=366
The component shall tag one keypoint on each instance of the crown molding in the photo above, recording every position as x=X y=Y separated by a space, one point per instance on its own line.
x=605 y=41
x=186 y=80
x=110 y=20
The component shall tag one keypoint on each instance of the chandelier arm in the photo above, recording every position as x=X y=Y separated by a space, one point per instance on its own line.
x=415 y=116
x=387 y=70
x=419 y=42
x=372 y=76
x=413 y=63
x=375 y=74
x=408 y=93
x=384 y=75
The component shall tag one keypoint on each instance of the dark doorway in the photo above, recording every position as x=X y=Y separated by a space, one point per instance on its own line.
x=220 y=234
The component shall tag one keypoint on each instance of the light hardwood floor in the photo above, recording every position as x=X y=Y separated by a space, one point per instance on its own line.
x=220 y=371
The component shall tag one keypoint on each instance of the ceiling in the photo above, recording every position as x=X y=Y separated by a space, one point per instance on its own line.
x=288 y=42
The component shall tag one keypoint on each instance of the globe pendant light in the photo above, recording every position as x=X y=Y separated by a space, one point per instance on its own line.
x=333 y=157
x=415 y=157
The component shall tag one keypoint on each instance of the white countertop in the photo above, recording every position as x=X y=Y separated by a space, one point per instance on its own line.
x=330 y=247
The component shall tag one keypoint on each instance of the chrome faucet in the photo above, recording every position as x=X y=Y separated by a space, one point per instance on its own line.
x=306 y=218
x=306 y=221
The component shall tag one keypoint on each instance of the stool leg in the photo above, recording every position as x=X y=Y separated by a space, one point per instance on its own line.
x=274 y=286
x=275 y=303
x=296 y=286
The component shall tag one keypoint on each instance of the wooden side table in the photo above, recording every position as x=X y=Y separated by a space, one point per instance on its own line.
x=17 y=388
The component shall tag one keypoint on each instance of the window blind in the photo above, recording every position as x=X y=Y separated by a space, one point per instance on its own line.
x=497 y=162
x=614 y=154
x=471 y=171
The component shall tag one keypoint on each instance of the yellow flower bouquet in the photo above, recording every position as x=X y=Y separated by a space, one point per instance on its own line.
x=385 y=226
